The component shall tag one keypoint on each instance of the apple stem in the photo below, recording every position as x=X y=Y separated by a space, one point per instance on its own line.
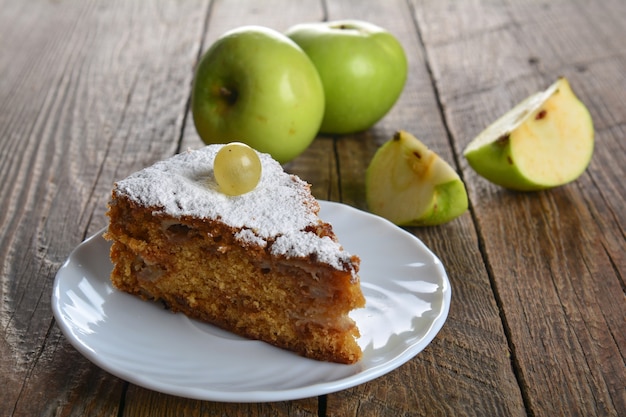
x=229 y=95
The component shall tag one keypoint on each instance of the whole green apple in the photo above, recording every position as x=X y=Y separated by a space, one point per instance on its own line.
x=363 y=69
x=254 y=85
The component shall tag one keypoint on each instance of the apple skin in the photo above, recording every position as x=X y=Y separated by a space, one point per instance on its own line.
x=545 y=141
x=410 y=185
x=363 y=69
x=254 y=85
x=449 y=202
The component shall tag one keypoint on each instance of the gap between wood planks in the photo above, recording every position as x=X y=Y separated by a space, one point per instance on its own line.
x=515 y=366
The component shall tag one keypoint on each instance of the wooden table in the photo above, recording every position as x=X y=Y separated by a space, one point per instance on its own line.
x=91 y=91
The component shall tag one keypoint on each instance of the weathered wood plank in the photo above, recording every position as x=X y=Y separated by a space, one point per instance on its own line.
x=556 y=258
x=223 y=16
x=470 y=356
x=89 y=94
x=144 y=402
x=92 y=91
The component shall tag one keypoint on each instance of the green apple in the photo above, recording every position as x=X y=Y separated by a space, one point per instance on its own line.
x=255 y=85
x=363 y=69
x=545 y=141
x=410 y=185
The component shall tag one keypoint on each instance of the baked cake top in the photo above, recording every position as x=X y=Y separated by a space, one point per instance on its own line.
x=279 y=212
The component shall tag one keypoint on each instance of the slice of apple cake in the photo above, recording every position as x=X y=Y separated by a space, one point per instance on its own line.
x=262 y=264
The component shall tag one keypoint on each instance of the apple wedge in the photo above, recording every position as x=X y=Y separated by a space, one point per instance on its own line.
x=410 y=185
x=545 y=141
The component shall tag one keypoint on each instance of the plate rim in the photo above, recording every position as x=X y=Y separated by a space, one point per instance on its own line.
x=250 y=396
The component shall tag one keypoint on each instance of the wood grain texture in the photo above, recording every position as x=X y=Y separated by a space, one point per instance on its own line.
x=89 y=95
x=470 y=355
x=91 y=91
x=556 y=263
x=221 y=17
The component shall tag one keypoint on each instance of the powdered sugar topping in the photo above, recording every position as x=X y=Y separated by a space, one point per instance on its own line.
x=277 y=211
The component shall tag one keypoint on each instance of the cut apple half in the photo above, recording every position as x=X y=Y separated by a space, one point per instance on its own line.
x=545 y=141
x=410 y=185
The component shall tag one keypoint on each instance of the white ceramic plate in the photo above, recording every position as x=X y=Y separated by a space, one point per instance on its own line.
x=407 y=295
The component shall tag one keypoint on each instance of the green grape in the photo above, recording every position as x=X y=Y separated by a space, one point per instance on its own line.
x=237 y=168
